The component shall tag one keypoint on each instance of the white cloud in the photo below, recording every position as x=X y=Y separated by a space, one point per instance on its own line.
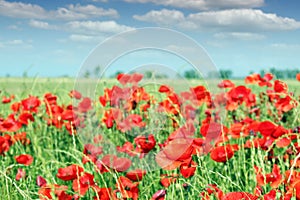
x=103 y=1
x=71 y=12
x=80 y=38
x=285 y=46
x=13 y=27
x=16 y=43
x=96 y=27
x=162 y=17
x=239 y=35
x=204 y=4
x=243 y=20
x=165 y=17
x=21 y=10
x=93 y=31
x=85 y=38
x=40 y=24
x=233 y=20
x=84 y=12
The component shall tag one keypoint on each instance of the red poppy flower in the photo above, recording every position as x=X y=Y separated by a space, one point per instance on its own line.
x=132 y=120
x=15 y=107
x=167 y=180
x=127 y=188
x=118 y=164
x=189 y=112
x=135 y=78
x=103 y=193
x=238 y=95
x=175 y=153
x=31 y=104
x=6 y=100
x=226 y=84
x=212 y=130
x=258 y=191
x=40 y=181
x=283 y=142
x=267 y=128
x=188 y=169
x=127 y=78
x=20 y=137
x=24 y=159
x=166 y=163
x=179 y=149
x=118 y=94
x=83 y=183
x=261 y=81
x=295 y=189
x=285 y=104
x=106 y=97
x=10 y=124
x=85 y=105
x=222 y=153
x=174 y=99
x=68 y=115
x=91 y=153
x=108 y=119
x=102 y=100
x=46 y=191
x=164 y=89
x=136 y=175
x=237 y=129
x=274 y=178
x=5 y=143
x=268 y=76
x=145 y=144
x=159 y=195
x=198 y=146
x=187 y=131
x=200 y=93
x=20 y=174
x=253 y=79
x=212 y=189
x=50 y=99
x=239 y=196
x=69 y=173
x=127 y=148
x=270 y=195
x=298 y=77
x=24 y=118
x=123 y=78
x=280 y=86
x=75 y=94
x=257 y=143
x=213 y=133
x=92 y=149
x=169 y=107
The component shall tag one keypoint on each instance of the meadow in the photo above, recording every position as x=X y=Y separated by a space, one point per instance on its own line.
x=128 y=139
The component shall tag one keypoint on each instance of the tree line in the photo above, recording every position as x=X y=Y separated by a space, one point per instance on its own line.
x=192 y=74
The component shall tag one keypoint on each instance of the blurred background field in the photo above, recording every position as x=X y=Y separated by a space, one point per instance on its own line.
x=39 y=86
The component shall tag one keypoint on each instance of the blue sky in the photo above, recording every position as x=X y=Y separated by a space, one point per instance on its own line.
x=53 y=38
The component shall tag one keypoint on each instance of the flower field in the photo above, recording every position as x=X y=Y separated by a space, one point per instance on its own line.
x=135 y=141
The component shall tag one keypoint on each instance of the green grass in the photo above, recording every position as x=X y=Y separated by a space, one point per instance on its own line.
x=39 y=86
x=53 y=148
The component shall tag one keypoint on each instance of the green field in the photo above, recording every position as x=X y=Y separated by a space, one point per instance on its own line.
x=25 y=86
x=54 y=148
